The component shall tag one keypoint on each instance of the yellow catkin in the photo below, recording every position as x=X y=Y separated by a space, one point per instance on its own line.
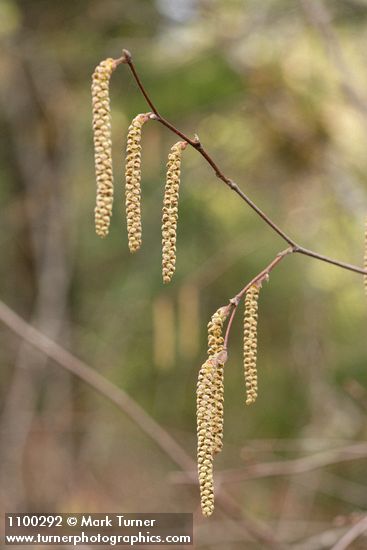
x=215 y=347
x=205 y=437
x=250 y=343
x=365 y=257
x=209 y=411
x=133 y=178
x=218 y=393
x=170 y=211
x=102 y=145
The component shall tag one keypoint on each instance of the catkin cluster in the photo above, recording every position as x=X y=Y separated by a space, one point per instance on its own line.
x=133 y=179
x=210 y=409
x=250 y=343
x=104 y=176
x=170 y=211
x=102 y=145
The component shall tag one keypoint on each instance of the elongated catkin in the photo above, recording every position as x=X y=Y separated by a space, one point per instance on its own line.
x=250 y=343
x=209 y=412
x=133 y=182
x=365 y=257
x=215 y=347
x=218 y=408
x=204 y=416
x=102 y=145
x=170 y=211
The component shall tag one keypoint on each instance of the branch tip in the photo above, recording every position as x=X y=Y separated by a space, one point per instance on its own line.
x=145 y=116
x=126 y=56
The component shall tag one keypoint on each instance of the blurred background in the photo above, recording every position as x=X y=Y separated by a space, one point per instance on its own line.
x=277 y=92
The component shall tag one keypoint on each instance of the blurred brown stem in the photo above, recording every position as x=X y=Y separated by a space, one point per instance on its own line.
x=289 y=467
x=351 y=535
x=123 y=401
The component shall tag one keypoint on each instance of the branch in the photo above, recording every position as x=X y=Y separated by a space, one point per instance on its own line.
x=124 y=402
x=321 y=541
x=298 y=465
x=351 y=535
x=196 y=144
x=86 y=373
x=263 y=275
x=290 y=467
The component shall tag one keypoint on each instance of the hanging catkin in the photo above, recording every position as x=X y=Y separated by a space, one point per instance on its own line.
x=365 y=257
x=215 y=347
x=133 y=178
x=209 y=411
x=170 y=211
x=204 y=416
x=102 y=145
x=218 y=395
x=250 y=343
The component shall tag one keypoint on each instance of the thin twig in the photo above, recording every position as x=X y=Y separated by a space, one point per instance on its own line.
x=298 y=465
x=285 y=467
x=264 y=274
x=320 y=541
x=289 y=467
x=196 y=144
x=351 y=535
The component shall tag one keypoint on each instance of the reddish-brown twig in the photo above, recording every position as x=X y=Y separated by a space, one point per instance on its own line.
x=196 y=144
x=263 y=275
